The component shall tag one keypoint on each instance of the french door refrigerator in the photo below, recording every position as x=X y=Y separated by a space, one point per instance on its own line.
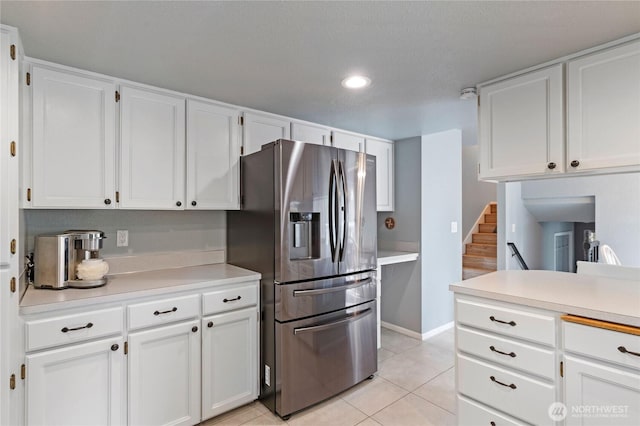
x=308 y=225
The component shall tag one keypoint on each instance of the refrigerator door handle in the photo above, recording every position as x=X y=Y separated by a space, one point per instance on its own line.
x=344 y=211
x=333 y=188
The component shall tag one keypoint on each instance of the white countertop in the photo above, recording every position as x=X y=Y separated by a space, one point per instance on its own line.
x=138 y=284
x=603 y=298
x=387 y=257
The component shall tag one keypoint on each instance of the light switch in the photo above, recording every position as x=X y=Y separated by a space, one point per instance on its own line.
x=454 y=227
x=513 y=227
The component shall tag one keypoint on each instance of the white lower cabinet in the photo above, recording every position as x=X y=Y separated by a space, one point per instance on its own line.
x=81 y=384
x=164 y=375
x=229 y=354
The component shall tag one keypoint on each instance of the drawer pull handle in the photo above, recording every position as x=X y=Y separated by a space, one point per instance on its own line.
x=67 y=329
x=232 y=300
x=511 y=323
x=165 y=312
x=512 y=386
x=511 y=354
x=625 y=351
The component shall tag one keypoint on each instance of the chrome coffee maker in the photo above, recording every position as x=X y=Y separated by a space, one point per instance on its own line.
x=69 y=259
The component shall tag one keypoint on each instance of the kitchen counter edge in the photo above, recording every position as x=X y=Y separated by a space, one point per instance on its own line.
x=128 y=286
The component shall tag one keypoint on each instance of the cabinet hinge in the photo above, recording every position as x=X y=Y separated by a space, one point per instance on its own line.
x=242 y=150
x=23 y=371
x=28 y=194
x=12 y=285
x=241 y=120
x=561 y=368
x=117 y=96
x=12 y=382
x=12 y=246
x=478 y=99
x=126 y=348
x=28 y=79
x=12 y=52
x=117 y=196
x=12 y=148
x=331 y=139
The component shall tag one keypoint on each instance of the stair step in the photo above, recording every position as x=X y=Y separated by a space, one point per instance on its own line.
x=474 y=272
x=482 y=262
x=484 y=238
x=494 y=208
x=490 y=250
x=491 y=218
x=488 y=227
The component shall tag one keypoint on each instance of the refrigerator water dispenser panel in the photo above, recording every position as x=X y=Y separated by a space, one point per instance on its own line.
x=304 y=231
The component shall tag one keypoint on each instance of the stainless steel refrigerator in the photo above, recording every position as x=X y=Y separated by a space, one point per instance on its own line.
x=308 y=225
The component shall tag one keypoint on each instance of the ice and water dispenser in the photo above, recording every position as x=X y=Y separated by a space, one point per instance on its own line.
x=304 y=232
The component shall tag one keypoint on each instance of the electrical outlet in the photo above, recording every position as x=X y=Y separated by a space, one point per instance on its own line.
x=267 y=375
x=122 y=238
x=454 y=227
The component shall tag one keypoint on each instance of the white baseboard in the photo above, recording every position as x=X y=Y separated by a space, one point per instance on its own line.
x=424 y=336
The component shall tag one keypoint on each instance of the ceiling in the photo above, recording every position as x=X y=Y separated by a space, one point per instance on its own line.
x=289 y=57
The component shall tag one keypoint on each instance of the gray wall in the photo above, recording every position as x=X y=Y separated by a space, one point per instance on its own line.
x=617 y=200
x=149 y=231
x=475 y=194
x=401 y=283
x=441 y=249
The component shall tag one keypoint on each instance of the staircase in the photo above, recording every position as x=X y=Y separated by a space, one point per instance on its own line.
x=481 y=254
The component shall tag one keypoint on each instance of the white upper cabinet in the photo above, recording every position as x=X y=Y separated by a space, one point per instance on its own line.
x=603 y=119
x=521 y=125
x=213 y=154
x=152 y=149
x=351 y=141
x=260 y=129
x=310 y=133
x=73 y=140
x=383 y=151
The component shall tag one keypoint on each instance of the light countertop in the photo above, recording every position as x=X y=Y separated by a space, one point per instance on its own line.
x=387 y=257
x=139 y=284
x=598 y=297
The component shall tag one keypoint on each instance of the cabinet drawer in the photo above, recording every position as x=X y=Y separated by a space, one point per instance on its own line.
x=607 y=345
x=507 y=352
x=471 y=413
x=163 y=311
x=511 y=320
x=66 y=329
x=504 y=390
x=229 y=299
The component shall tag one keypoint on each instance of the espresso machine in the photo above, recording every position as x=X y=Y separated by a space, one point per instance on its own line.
x=69 y=259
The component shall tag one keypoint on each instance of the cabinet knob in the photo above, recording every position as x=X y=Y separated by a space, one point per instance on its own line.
x=194 y=203
x=178 y=203
x=107 y=201
x=115 y=347
x=551 y=165
x=575 y=163
x=210 y=324
x=194 y=329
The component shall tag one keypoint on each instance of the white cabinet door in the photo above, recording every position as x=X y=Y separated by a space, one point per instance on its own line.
x=260 y=129
x=521 y=125
x=73 y=140
x=229 y=361
x=603 y=116
x=350 y=141
x=77 y=385
x=591 y=386
x=213 y=154
x=152 y=146
x=383 y=150
x=311 y=133
x=164 y=375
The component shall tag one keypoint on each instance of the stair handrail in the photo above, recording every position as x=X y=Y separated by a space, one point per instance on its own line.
x=476 y=226
x=515 y=252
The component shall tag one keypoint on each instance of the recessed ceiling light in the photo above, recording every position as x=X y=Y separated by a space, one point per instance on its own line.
x=356 y=82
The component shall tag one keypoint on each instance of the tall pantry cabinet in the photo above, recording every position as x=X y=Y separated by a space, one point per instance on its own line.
x=10 y=62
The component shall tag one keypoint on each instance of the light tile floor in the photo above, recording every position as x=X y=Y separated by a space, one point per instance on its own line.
x=414 y=386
